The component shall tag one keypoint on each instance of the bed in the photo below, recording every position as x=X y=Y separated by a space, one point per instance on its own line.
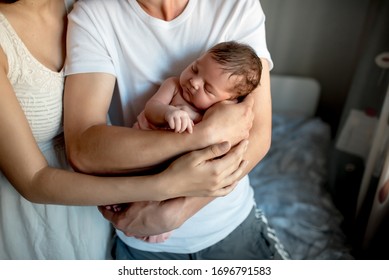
x=290 y=182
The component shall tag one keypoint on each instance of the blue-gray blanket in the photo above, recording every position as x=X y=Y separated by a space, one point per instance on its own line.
x=289 y=186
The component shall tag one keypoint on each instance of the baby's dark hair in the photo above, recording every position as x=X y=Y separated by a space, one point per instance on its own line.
x=239 y=60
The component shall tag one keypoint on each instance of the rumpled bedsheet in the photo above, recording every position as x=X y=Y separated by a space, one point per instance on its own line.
x=289 y=185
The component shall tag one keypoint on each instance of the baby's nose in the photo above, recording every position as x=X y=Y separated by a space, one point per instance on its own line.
x=195 y=84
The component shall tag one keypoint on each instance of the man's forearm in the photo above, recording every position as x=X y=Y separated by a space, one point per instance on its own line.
x=151 y=218
x=124 y=150
x=189 y=207
x=94 y=147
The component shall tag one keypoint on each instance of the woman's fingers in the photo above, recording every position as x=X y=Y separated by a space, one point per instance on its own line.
x=225 y=165
x=232 y=165
x=213 y=171
x=231 y=160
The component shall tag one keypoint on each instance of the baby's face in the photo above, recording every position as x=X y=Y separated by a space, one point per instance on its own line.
x=204 y=83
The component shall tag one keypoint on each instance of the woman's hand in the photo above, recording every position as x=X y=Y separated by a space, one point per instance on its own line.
x=213 y=171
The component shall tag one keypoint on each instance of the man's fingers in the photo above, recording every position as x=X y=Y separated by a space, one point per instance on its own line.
x=113 y=217
x=109 y=215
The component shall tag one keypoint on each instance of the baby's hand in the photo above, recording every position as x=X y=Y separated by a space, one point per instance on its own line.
x=179 y=120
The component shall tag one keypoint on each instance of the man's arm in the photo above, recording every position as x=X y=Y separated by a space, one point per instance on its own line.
x=258 y=146
x=183 y=208
x=152 y=218
x=95 y=147
x=260 y=133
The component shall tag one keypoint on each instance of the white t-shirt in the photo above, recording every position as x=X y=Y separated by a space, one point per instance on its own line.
x=120 y=38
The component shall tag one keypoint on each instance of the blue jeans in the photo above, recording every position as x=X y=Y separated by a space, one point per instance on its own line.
x=253 y=239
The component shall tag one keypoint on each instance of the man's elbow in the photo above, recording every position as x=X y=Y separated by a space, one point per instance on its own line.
x=77 y=160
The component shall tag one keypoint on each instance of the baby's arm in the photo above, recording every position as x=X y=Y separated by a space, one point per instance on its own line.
x=159 y=112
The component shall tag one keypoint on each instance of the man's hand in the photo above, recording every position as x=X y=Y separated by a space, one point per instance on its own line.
x=229 y=122
x=149 y=218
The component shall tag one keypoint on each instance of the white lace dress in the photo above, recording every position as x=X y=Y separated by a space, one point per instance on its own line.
x=37 y=231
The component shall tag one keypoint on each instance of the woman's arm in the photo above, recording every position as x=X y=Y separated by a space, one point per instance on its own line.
x=26 y=168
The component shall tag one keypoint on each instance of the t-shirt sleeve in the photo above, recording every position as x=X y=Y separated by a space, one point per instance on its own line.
x=250 y=28
x=87 y=50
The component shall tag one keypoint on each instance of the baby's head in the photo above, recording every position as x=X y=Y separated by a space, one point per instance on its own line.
x=241 y=62
x=227 y=71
